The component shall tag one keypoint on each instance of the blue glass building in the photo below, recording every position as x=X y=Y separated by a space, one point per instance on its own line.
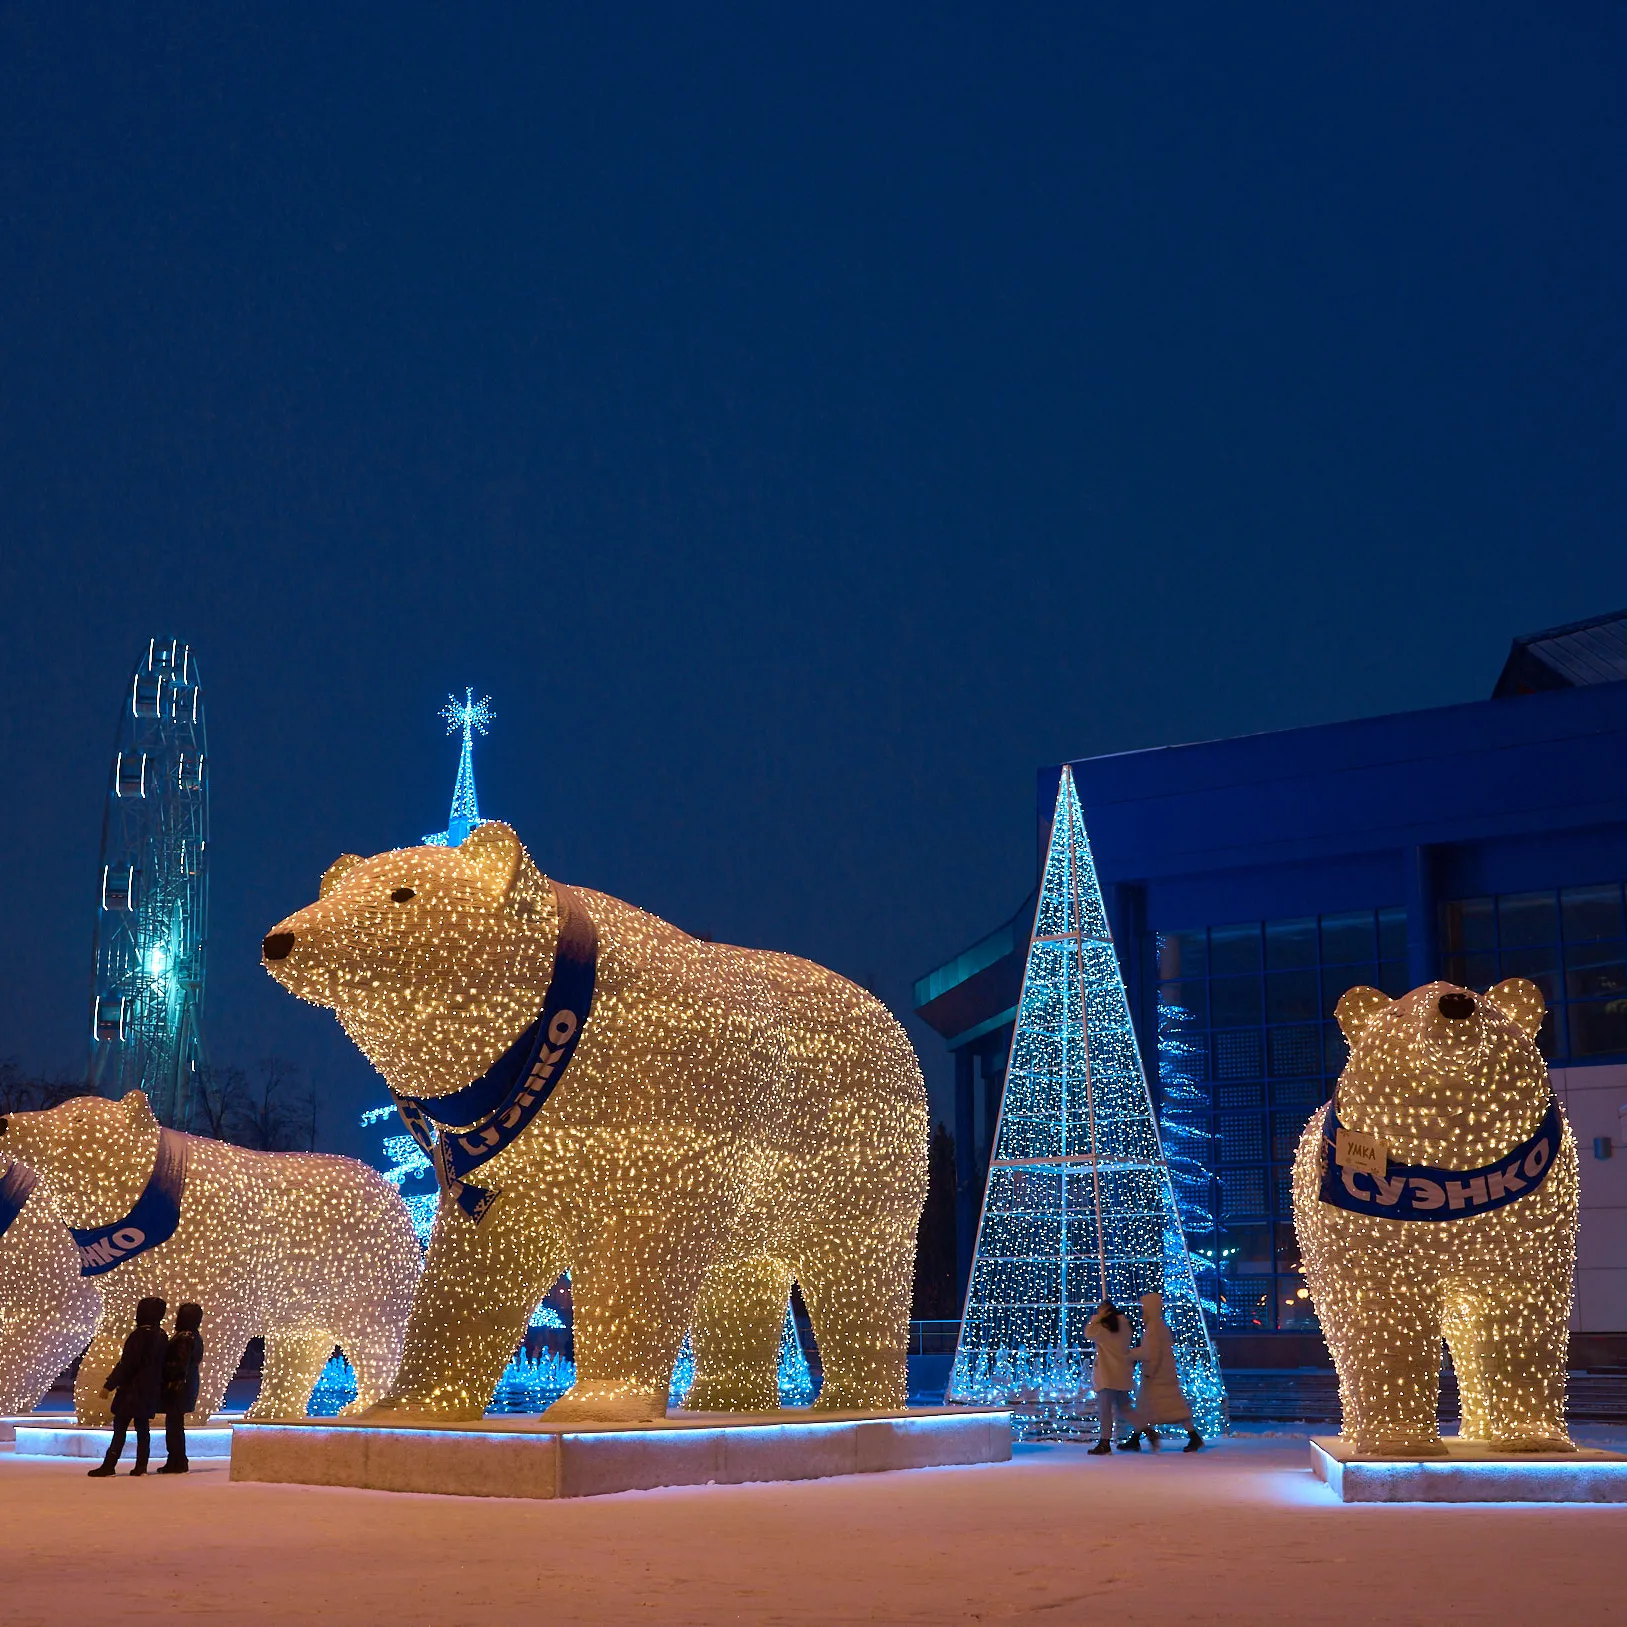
x=1251 y=881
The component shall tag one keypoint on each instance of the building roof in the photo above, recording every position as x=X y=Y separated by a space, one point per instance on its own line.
x=1569 y=657
x=977 y=990
x=1322 y=819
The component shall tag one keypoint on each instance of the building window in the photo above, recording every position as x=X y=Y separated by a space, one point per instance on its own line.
x=1571 y=943
x=1246 y=1036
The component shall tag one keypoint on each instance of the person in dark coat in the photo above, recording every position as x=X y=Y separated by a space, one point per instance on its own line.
x=181 y=1384
x=135 y=1385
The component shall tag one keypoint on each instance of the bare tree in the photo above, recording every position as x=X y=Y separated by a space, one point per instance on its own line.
x=24 y=1092
x=219 y=1101
x=269 y=1110
x=278 y=1113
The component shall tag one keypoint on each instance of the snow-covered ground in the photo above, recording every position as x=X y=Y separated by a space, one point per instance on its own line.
x=1239 y=1533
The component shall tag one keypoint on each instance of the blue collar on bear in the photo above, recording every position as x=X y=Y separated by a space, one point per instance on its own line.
x=1420 y=1192
x=153 y=1220
x=16 y=1186
x=498 y=1105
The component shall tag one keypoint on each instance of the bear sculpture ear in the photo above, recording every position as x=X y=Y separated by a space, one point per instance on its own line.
x=1357 y=1008
x=137 y=1109
x=1521 y=1002
x=495 y=852
x=337 y=871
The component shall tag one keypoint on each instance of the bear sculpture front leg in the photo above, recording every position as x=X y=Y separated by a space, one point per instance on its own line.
x=90 y=1406
x=470 y=1310
x=1386 y=1342
x=1509 y=1341
x=633 y=1296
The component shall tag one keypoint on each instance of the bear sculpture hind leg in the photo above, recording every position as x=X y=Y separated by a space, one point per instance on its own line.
x=294 y=1362
x=857 y=1286
x=1462 y=1322
x=374 y=1354
x=479 y=1287
x=739 y=1322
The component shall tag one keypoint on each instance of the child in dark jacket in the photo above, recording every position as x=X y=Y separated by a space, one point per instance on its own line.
x=134 y=1385
x=181 y=1384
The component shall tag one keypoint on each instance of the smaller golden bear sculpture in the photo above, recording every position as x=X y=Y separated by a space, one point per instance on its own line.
x=47 y=1310
x=1436 y=1197
x=686 y=1126
x=306 y=1249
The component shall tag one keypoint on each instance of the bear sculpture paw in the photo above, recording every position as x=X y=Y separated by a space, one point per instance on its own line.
x=1534 y=1443
x=391 y=1411
x=607 y=1404
x=1404 y=1446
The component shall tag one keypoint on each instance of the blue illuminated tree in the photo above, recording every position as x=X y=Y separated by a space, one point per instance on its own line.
x=1079 y=1203
x=405 y=1165
x=1189 y=1143
x=469 y=715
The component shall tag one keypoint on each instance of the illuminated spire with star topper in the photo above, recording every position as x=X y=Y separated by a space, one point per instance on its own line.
x=468 y=715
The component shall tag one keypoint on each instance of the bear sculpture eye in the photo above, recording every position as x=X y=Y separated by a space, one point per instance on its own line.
x=402 y=894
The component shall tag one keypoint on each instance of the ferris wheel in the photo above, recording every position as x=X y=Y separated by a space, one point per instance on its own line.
x=153 y=897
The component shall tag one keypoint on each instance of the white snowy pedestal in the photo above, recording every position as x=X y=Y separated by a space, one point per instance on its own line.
x=528 y=1457
x=1471 y=1472
x=70 y=1440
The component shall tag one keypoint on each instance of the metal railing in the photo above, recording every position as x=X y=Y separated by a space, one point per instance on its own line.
x=934 y=1338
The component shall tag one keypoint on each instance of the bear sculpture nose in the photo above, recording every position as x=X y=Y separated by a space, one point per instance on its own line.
x=278 y=946
x=1456 y=1006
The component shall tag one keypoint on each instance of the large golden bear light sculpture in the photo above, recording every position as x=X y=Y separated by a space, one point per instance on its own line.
x=1436 y=1197
x=306 y=1249
x=685 y=1126
x=47 y=1310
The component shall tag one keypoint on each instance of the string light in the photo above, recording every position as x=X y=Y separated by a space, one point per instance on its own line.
x=47 y=1310
x=405 y=1161
x=1079 y=1204
x=730 y=1119
x=530 y=1382
x=305 y=1249
x=468 y=715
x=1189 y=1144
x=1449 y=1085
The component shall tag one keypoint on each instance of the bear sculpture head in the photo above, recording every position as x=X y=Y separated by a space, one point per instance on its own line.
x=93 y=1156
x=432 y=958
x=1445 y=1076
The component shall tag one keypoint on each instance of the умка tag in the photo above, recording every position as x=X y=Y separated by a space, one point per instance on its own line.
x=1355 y=1149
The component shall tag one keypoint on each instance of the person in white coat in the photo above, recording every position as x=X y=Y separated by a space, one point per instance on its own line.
x=1112 y=1374
x=1159 y=1401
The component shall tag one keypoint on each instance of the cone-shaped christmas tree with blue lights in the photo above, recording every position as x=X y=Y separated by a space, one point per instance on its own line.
x=1079 y=1204
x=469 y=715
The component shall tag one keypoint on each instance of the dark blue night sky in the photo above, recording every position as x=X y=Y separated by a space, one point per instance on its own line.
x=803 y=423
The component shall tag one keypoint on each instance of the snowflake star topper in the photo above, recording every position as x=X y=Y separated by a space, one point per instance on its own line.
x=468 y=713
